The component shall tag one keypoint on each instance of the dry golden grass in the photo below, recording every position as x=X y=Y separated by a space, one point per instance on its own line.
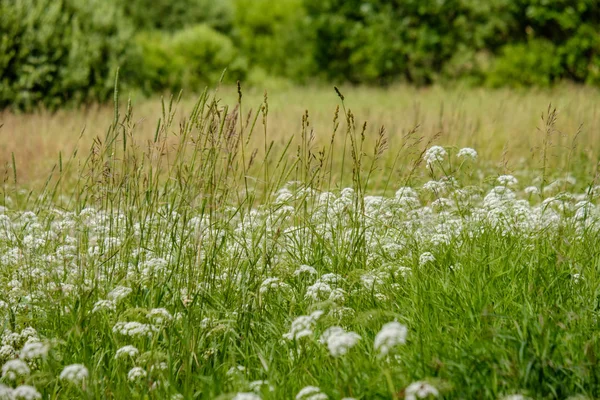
x=502 y=125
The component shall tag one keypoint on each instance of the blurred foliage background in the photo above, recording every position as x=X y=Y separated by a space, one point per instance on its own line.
x=66 y=52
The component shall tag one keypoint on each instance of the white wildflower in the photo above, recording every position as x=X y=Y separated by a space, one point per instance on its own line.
x=337 y=295
x=318 y=291
x=33 y=350
x=6 y=393
x=467 y=152
x=246 y=396
x=426 y=258
x=531 y=190
x=119 y=293
x=26 y=392
x=305 y=269
x=434 y=154
x=302 y=326
x=391 y=335
x=15 y=368
x=420 y=390
x=272 y=284
x=507 y=180
x=74 y=373
x=136 y=374
x=256 y=386
x=311 y=393
x=7 y=352
x=159 y=315
x=134 y=329
x=128 y=350
x=108 y=305
x=338 y=340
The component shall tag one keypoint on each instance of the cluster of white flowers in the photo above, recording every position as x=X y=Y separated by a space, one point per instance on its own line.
x=420 y=390
x=74 y=373
x=25 y=392
x=433 y=155
x=303 y=326
x=467 y=152
x=159 y=316
x=391 y=335
x=13 y=369
x=134 y=329
x=311 y=393
x=119 y=293
x=128 y=350
x=426 y=258
x=273 y=284
x=246 y=396
x=339 y=341
x=33 y=350
x=136 y=374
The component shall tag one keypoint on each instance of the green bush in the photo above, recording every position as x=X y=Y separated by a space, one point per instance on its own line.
x=535 y=63
x=275 y=36
x=188 y=59
x=173 y=15
x=55 y=52
x=421 y=41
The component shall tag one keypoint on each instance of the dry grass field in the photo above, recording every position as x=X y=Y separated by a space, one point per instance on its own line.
x=507 y=127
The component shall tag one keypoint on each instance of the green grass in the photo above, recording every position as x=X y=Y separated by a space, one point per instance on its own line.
x=495 y=278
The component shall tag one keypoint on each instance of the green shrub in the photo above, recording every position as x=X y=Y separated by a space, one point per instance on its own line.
x=55 y=52
x=275 y=36
x=188 y=59
x=173 y=15
x=525 y=64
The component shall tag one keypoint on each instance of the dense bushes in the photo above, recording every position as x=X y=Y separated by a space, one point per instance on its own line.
x=173 y=15
x=190 y=58
x=426 y=40
x=54 y=52
x=67 y=51
x=275 y=36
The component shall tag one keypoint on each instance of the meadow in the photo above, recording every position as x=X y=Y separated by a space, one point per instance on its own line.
x=284 y=246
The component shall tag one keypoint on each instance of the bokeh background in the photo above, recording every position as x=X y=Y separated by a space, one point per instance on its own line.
x=66 y=52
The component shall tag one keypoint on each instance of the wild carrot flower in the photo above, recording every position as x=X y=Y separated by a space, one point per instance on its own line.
x=391 y=335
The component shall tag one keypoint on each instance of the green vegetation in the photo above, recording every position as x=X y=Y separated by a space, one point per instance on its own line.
x=195 y=265
x=54 y=53
x=50 y=57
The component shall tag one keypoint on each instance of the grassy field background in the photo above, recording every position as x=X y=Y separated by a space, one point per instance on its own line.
x=506 y=126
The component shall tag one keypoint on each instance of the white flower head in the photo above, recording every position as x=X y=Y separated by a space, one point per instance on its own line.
x=15 y=368
x=302 y=326
x=246 y=396
x=125 y=351
x=311 y=393
x=136 y=374
x=420 y=390
x=391 y=335
x=26 y=392
x=119 y=293
x=507 y=180
x=426 y=258
x=515 y=397
x=339 y=341
x=74 y=373
x=305 y=270
x=101 y=305
x=434 y=154
x=318 y=291
x=159 y=316
x=272 y=284
x=468 y=153
x=6 y=393
x=33 y=350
